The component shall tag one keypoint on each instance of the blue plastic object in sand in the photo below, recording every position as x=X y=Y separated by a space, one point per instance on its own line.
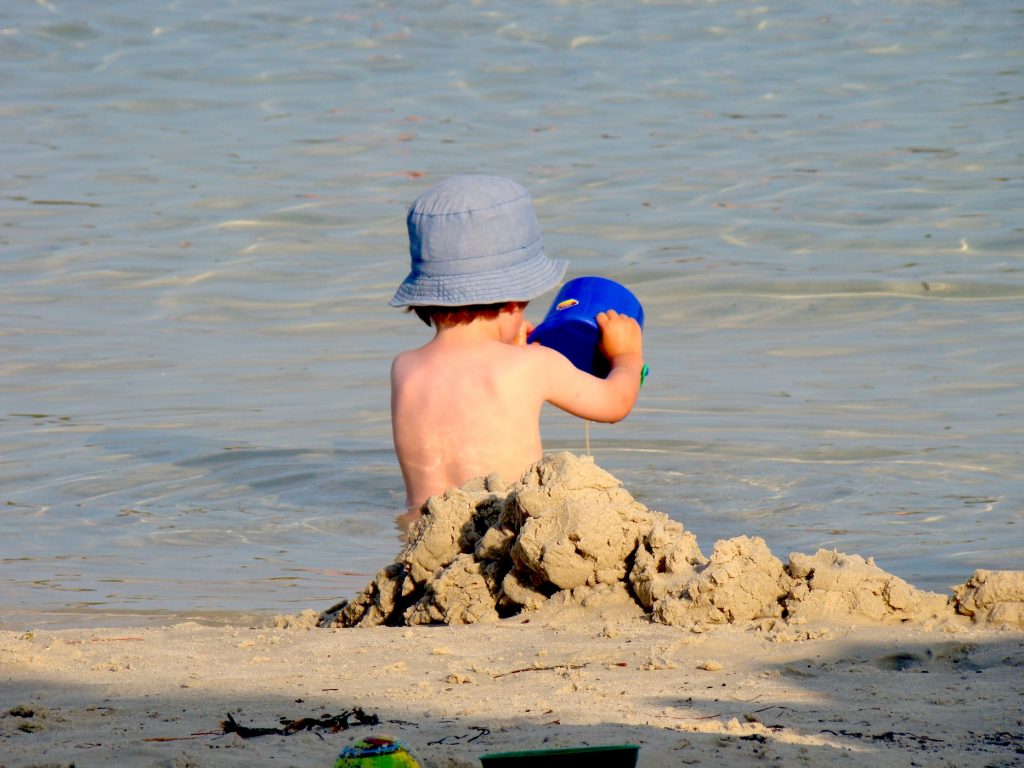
x=570 y=326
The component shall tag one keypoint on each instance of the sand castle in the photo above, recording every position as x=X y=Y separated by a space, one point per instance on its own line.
x=569 y=534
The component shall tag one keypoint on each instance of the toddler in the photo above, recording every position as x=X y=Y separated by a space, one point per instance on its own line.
x=467 y=403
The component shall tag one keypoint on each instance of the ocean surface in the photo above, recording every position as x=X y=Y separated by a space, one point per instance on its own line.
x=820 y=205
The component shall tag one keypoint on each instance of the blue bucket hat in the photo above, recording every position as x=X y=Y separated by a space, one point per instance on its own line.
x=475 y=240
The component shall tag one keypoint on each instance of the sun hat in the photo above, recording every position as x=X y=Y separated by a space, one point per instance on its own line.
x=475 y=240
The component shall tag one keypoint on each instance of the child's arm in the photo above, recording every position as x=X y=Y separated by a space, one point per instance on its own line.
x=609 y=399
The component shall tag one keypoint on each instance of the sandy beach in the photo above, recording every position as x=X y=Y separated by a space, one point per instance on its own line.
x=818 y=206
x=557 y=612
x=732 y=696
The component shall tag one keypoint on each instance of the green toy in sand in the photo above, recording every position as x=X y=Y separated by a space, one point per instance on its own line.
x=377 y=752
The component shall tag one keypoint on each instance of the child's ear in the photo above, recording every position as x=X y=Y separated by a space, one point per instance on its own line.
x=422 y=313
x=523 y=333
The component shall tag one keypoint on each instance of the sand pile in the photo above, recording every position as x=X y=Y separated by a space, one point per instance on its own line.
x=569 y=534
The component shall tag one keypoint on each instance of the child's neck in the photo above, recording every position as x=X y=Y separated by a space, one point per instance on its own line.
x=477 y=331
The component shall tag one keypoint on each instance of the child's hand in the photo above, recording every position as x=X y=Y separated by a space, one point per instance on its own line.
x=620 y=334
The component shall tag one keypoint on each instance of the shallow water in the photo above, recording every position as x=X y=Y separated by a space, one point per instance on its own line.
x=202 y=222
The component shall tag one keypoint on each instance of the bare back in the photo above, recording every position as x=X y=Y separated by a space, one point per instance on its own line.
x=461 y=411
x=468 y=403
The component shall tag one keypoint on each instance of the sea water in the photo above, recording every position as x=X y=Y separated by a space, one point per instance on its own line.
x=202 y=220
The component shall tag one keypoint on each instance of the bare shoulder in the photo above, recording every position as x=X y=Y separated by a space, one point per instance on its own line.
x=407 y=363
x=550 y=357
x=400 y=362
x=539 y=358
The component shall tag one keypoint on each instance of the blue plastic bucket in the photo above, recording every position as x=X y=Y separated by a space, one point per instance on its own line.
x=570 y=326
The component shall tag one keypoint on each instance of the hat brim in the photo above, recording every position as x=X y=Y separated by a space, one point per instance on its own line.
x=521 y=282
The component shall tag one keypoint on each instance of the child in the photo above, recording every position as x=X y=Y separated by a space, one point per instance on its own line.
x=468 y=402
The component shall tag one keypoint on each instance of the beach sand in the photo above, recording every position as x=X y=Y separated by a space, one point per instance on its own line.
x=730 y=696
x=555 y=613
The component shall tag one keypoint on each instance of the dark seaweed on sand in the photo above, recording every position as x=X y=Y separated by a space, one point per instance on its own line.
x=329 y=723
